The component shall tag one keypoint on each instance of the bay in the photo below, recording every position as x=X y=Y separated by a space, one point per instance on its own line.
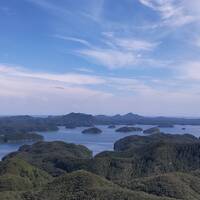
x=96 y=142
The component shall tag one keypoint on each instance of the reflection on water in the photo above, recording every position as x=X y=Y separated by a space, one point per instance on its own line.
x=96 y=142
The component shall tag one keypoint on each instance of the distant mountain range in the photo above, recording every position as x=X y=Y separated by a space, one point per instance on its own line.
x=131 y=118
x=80 y=119
x=29 y=124
x=15 y=128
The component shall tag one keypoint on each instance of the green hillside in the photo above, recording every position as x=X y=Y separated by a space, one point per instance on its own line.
x=154 y=167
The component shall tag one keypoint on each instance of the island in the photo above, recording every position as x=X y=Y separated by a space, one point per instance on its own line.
x=20 y=137
x=126 y=129
x=112 y=126
x=166 y=126
x=92 y=130
x=150 y=131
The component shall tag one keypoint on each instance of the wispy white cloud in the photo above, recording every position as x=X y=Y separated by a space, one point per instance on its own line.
x=52 y=8
x=190 y=71
x=119 y=52
x=25 y=91
x=73 y=39
x=85 y=70
x=111 y=58
x=91 y=10
x=11 y=77
x=129 y=43
x=173 y=12
x=182 y=16
x=69 y=78
x=94 y=11
x=29 y=92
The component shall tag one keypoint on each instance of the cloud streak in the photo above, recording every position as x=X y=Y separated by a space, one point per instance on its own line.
x=73 y=39
x=111 y=58
x=29 y=92
x=173 y=12
x=119 y=52
x=54 y=9
x=69 y=78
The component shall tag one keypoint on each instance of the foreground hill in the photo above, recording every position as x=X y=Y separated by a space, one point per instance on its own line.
x=154 y=167
x=176 y=185
x=81 y=185
x=53 y=157
x=139 y=156
x=135 y=141
x=18 y=175
x=87 y=186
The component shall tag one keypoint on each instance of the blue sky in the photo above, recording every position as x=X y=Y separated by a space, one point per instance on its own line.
x=100 y=56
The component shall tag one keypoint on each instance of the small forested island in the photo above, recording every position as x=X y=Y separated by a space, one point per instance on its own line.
x=73 y=120
x=20 y=137
x=126 y=129
x=24 y=124
x=111 y=126
x=92 y=130
x=152 y=130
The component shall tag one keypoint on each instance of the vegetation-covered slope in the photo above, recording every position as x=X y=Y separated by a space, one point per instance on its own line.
x=154 y=167
x=18 y=175
x=53 y=157
x=175 y=185
x=147 y=156
x=87 y=186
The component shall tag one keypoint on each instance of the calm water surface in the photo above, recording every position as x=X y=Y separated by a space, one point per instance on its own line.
x=96 y=142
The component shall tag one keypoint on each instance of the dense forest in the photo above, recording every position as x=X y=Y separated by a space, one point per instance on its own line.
x=156 y=166
x=153 y=167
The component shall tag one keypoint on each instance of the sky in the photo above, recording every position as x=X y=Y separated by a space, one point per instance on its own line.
x=100 y=57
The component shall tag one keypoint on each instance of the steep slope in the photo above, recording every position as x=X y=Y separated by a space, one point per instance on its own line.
x=135 y=141
x=177 y=185
x=18 y=175
x=155 y=167
x=147 y=156
x=54 y=157
x=87 y=186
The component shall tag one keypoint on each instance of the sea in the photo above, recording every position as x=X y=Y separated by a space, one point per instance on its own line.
x=96 y=142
